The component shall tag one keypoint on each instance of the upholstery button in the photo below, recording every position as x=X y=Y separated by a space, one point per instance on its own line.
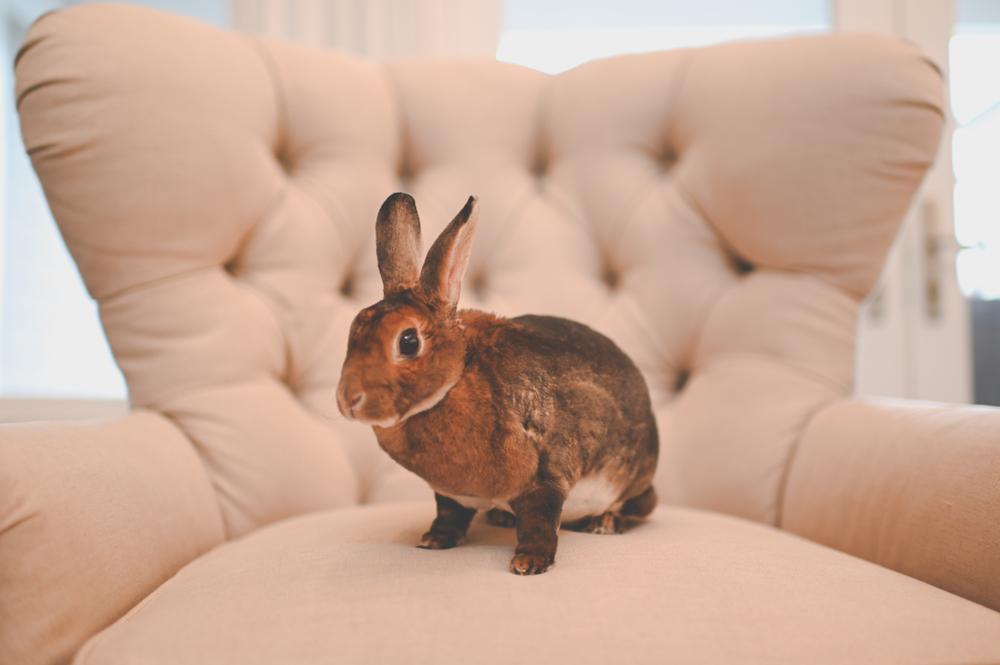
x=284 y=159
x=539 y=169
x=540 y=166
x=231 y=266
x=666 y=160
x=610 y=275
x=346 y=288
x=741 y=265
x=478 y=284
x=406 y=171
x=681 y=380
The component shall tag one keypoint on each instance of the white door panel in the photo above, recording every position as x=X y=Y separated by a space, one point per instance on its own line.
x=914 y=331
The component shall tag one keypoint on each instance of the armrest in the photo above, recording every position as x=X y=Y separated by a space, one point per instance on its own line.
x=913 y=487
x=93 y=517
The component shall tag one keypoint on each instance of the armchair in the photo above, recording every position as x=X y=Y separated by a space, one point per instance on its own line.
x=719 y=212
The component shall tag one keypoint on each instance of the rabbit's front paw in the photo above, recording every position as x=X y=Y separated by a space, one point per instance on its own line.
x=531 y=563
x=439 y=540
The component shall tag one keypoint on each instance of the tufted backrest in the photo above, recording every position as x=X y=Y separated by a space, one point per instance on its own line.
x=719 y=212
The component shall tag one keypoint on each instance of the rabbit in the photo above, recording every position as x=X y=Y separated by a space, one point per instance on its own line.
x=538 y=420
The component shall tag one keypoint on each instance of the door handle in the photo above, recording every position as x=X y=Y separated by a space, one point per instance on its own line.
x=940 y=248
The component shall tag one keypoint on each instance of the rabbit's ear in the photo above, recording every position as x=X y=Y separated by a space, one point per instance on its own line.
x=397 y=243
x=444 y=267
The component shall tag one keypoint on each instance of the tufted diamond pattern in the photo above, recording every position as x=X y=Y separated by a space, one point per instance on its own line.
x=719 y=212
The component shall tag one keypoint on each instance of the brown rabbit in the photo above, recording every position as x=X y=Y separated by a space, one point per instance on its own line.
x=536 y=418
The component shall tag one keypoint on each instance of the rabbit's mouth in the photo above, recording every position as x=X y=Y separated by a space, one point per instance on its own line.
x=366 y=417
x=358 y=407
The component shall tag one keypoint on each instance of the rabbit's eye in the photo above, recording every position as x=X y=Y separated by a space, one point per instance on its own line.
x=409 y=343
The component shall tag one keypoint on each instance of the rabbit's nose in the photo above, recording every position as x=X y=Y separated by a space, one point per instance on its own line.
x=350 y=397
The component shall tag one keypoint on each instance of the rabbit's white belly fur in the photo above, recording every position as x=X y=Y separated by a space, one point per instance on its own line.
x=593 y=495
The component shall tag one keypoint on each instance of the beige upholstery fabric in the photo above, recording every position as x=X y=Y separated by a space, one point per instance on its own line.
x=157 y=169
x=220 y=197
x=688 y=587
x=719 y=212
x=93 y=518
x=912 y=487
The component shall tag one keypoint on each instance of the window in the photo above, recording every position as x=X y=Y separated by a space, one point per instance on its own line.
x=554 y=35
x=974 y=52
x=51 y=340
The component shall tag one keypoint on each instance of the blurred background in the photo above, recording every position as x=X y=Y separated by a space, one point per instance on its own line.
x=930 y=330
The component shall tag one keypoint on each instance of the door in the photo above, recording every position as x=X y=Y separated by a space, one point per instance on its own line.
x=914 y=331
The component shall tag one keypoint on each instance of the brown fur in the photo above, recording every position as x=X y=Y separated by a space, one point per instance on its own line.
x=450 y=525
x=536 y=403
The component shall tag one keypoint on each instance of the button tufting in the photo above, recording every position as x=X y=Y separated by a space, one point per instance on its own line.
x=478 y=284
x=405 y=171
x=667 y=159
x=741 y=265
x=346 y=288
x=660 y=274
x=681 y=380
x=540 y=166
x=611 y=276
x=284 y=159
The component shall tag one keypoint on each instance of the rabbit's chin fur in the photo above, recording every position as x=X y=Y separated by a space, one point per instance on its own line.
x=423 y=405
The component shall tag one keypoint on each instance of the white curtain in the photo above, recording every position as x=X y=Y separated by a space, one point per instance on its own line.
x=379 y=28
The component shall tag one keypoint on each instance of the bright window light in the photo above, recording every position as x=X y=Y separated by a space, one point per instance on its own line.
x=974 y=52
x=51 y=340
x=553 y=36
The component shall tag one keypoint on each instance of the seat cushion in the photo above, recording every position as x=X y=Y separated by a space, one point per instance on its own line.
x=688 y=586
